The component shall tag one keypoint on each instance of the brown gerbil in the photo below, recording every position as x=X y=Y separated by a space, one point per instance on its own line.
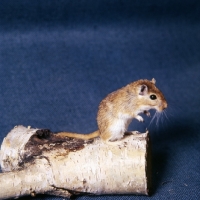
x=118 y=108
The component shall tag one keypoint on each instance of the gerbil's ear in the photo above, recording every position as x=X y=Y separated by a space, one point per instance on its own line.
x=143 y=90
x=153 y=80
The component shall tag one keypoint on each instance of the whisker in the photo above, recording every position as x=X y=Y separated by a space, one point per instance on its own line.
x=161 y=118
x=152 y=120
x=158 y=117
x=169 y=113
x=165 y=113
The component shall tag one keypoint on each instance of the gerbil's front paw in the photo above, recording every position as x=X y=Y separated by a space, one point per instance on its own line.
x=147 y=113
x=139 y=118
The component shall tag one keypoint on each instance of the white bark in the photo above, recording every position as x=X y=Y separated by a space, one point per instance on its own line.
x=97 y=168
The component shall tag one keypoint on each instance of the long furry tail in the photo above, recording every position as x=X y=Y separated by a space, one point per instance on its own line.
x=79 y=136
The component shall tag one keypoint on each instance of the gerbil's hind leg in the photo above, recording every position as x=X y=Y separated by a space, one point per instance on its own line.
x=115 y=143
x=128 y=133
x=111 y=141
x=119 y=142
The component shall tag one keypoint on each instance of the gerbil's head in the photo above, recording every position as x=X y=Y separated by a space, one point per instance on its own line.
x=150 y=97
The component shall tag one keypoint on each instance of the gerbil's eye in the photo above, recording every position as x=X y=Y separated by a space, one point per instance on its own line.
x=153 y=97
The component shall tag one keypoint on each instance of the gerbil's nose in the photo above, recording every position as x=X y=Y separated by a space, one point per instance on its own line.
x=164 y=105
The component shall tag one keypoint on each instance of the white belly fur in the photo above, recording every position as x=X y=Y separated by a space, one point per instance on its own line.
x=119 y=127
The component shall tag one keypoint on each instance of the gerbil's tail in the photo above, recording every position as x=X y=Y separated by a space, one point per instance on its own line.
x=79 y=136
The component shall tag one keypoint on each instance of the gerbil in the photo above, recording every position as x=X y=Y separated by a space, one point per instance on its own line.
x=118 y=108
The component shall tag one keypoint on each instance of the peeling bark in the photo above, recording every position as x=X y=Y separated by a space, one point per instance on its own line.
x=39 y=162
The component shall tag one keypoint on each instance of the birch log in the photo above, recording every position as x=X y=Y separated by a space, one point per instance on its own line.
x=37 y=161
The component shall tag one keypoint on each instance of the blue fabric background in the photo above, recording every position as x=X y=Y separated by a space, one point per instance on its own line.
x=58 y=59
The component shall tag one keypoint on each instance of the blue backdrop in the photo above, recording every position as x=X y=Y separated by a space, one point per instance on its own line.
x=58 y=59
